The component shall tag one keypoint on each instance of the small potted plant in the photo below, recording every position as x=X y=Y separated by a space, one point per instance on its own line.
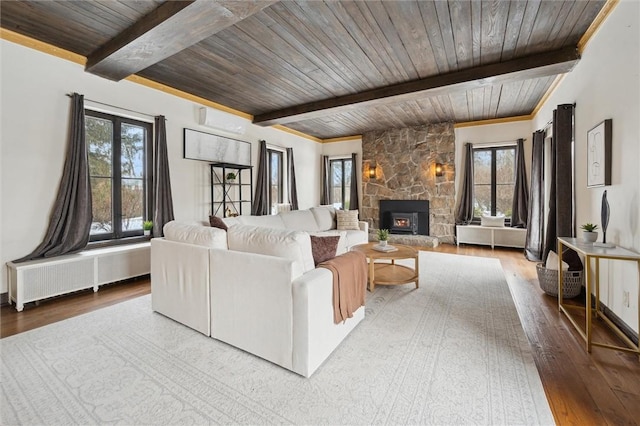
x=383 y=236
x=231 y=177
x=588 y=232
x=147 y=226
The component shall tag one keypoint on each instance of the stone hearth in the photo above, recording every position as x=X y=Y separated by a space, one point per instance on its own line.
x=405 y=160
x=409 y=240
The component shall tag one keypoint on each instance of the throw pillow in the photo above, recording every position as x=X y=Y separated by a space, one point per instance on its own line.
x=217 y=222
x=324 y=248
x=495 y=221
x=347 y=219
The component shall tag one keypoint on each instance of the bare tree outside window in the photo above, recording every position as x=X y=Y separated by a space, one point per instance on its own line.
x=494 y=171
x=118 y=162
x=340 y=183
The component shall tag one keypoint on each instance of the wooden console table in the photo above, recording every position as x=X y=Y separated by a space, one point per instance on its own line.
x=589 y=251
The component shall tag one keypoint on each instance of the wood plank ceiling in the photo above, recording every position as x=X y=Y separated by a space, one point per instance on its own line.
x=327 y=68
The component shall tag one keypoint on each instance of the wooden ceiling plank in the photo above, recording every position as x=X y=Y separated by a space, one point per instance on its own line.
x=476 y=32
x=256 y=70
x=477 y=103
x=28 y=19
x=167 y=30
x=526 y=27
x=246 y=43
x=514 y=24
x=460 y=13
x=458 y=102
x=390 y=33
x=508 y=98
x=431 y=23
x=575 y=17
x=330 y=79
x=334 y=29
x=408 y=21
x=363 y=36
x=377 y=37
x=494 y=24
x=496 y=91
x=486 y=106
x=543 y=64
x=561 y=21
x=446 y=32
x=319 y=40
x=545 y=19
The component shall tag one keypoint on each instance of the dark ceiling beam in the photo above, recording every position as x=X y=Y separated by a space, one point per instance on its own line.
x=529 y=67
x=172 y=27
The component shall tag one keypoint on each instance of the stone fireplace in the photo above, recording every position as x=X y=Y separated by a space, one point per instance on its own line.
x=404 y=163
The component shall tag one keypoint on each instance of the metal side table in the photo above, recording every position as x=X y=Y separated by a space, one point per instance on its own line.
x=589 y=251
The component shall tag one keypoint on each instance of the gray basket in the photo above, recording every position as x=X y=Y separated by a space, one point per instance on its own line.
x=572 y=281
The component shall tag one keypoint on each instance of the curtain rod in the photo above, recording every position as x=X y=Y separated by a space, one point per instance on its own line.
x=512 y=142
x=114 y=106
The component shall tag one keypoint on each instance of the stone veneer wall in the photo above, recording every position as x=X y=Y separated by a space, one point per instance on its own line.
x=405 y=161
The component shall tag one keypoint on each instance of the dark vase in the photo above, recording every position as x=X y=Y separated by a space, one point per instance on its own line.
x=604 y=216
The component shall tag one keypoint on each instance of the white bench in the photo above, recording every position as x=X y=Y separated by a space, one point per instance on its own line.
x=491 y=235
x=43 y=278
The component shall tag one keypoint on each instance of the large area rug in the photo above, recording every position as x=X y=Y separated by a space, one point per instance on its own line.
x=451 y=352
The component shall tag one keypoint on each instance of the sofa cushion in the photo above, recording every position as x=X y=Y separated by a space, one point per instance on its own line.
x=324 y=248
x=299 y=220
x=292 y=245
x=266 y=221
x=347 y=219
x=195 y=234
x=217 y=222
x=325 y=217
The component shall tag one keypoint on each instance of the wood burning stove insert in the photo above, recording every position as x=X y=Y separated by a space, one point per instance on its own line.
x=405 y=216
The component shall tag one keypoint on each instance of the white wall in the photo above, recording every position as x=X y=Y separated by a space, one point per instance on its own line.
x=605 y=84
x=35 y=117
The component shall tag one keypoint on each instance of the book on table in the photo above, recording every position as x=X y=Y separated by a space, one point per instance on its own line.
x=385 y=249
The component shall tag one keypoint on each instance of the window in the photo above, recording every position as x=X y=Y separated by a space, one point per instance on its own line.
x=494 y=175
x=275 y=162
x=340 y=183
x=119 y=155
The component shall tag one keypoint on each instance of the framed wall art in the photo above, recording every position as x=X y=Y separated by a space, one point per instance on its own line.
x=599 y=155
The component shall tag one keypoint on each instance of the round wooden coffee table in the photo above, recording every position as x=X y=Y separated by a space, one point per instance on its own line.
x=389 y=273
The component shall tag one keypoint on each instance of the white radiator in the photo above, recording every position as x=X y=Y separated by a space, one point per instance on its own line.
x=40 y=279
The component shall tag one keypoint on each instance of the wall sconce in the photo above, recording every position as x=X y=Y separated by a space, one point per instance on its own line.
x=372 y=170
x=439 y=169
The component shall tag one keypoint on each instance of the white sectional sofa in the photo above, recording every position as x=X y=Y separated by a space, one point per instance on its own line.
x=316 y=220
x=254 y=287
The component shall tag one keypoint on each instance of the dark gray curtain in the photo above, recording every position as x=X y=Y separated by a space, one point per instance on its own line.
x=561 y=222
x=163 y=210
x=261 y=205
x=291 y=175
x=353 y=196
x=70 y=221
x=324 y=194
x=520 y=206
x=464 y=214
x=534 y=240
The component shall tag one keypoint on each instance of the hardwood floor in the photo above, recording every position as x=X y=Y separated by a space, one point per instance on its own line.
x=601 y=388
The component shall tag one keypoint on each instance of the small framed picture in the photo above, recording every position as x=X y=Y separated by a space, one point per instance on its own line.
x=599 y=155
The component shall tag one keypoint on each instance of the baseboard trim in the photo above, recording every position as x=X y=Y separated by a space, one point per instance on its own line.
x=623 y=326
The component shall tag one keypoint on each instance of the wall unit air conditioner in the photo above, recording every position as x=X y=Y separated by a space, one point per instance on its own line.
x=221 y=120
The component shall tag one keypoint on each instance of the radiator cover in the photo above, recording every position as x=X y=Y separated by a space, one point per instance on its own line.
x=40 y=279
